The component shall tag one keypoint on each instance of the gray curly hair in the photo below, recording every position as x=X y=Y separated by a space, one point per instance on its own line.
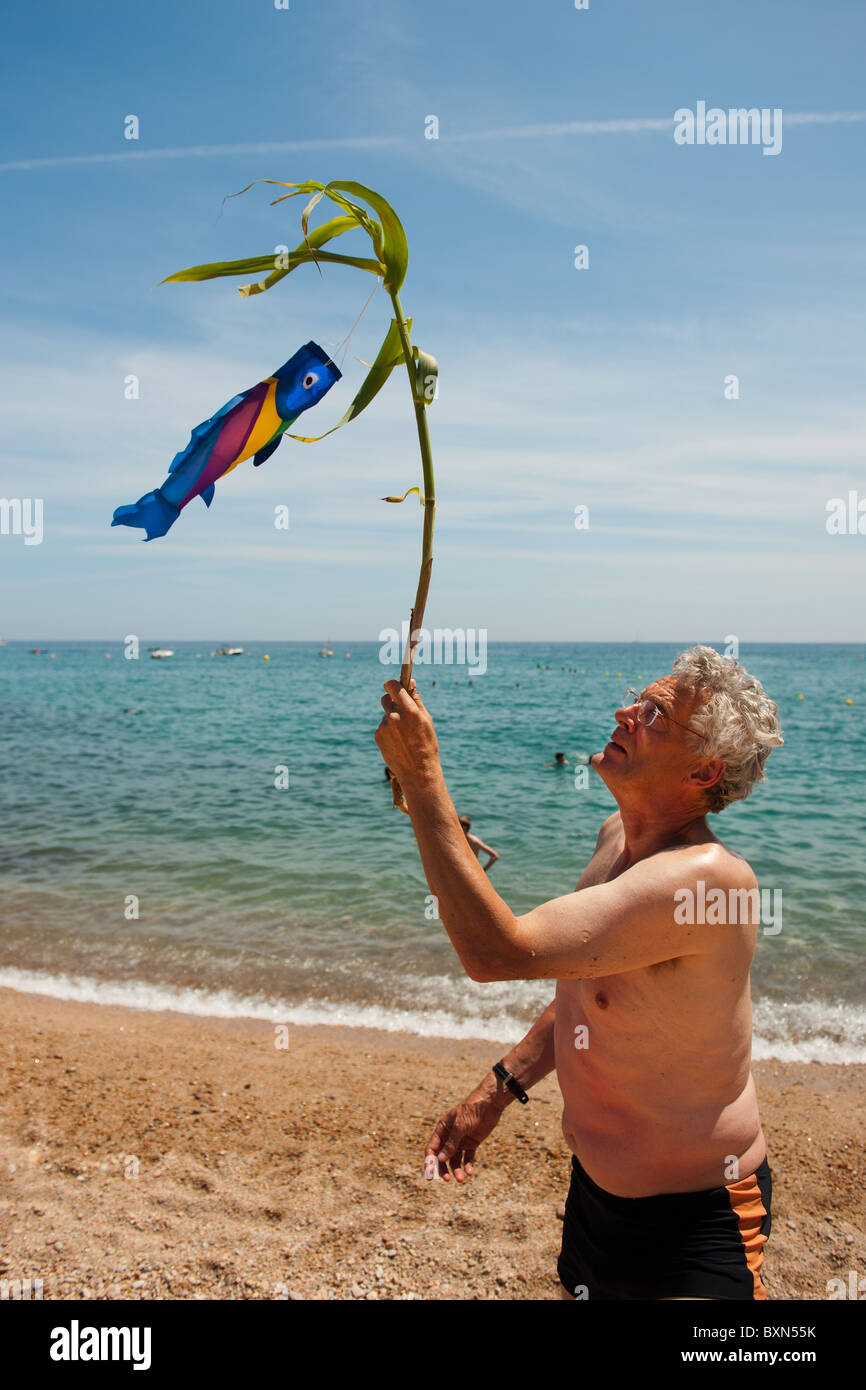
x=736 y=722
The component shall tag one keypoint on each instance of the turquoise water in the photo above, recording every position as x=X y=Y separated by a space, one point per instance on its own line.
x=308 y=902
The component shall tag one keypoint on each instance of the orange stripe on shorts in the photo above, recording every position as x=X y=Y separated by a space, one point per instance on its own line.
x=748 y=1207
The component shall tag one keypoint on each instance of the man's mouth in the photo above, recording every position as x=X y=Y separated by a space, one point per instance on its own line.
x=612 y=743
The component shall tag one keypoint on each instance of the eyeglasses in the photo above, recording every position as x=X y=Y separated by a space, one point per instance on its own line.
x=648 y=712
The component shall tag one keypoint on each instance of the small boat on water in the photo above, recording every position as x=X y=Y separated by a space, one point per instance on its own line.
x=326 y=650
x=159 y=653
x=230 y=651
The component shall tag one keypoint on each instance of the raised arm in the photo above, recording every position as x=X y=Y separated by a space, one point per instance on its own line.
x=602 y=930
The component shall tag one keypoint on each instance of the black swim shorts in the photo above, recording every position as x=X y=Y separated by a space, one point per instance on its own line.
x=677 y=1245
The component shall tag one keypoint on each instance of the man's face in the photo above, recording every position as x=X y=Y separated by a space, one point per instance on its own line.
x=656 y=757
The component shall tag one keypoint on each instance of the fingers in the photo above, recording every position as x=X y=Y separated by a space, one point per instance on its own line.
x=403 y=699
x=439 y=1149
x=413 y=691
x=451 y=1154
x=468 y=1160
x=434 y=1143
x=460 y=1167
x=450 y=1146
x=464 y=1169
x=398 y=698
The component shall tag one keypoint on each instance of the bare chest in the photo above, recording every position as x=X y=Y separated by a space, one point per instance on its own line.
x=656 y=1003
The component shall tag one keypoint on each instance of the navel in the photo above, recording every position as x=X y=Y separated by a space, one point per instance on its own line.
x=601 y=999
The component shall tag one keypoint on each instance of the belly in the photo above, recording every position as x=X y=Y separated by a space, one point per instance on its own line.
x=651 y=1107
x=246 y=429
x=264 y=429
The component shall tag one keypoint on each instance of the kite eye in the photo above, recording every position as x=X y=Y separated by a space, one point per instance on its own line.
x=310 y=380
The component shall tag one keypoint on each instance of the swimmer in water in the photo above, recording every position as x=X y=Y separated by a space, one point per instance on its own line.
x=477 y=846
x=561 y=761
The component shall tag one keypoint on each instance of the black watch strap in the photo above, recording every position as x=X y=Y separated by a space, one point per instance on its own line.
x=511 y=1082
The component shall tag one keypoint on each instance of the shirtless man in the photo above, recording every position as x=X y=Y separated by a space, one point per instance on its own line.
x=650 y=1028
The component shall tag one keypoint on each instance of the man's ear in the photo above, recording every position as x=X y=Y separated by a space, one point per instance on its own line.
x=710 y=771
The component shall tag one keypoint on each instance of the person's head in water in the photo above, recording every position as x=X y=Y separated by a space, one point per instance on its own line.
x=466 y=823
x=691 y=742
x=560 y=758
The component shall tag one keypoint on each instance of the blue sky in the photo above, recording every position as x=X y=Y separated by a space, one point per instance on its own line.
x=559 y=387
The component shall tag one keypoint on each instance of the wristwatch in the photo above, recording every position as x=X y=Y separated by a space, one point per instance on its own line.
x=511 y=1082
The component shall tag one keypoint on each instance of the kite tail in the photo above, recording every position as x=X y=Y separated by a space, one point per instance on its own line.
x=153 y=513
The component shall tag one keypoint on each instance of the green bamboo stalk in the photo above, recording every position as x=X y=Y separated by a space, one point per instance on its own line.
x=417 y=614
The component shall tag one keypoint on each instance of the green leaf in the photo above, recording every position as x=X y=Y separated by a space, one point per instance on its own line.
x=328 y=230
x=389 y=356
x=395 y=248
x=388 y=237
x=361 y=215
x=406 y=494
x=250 y=266
x=305 y=215
x=300 y=256
x=426 y=373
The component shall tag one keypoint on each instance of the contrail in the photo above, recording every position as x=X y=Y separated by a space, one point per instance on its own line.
x=357 y=142
x=376 y=142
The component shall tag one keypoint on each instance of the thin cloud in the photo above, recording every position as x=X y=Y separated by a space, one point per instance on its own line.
x=357 y=142
x=636 y=125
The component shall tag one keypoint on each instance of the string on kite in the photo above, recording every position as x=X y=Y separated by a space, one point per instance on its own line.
x=344 y=342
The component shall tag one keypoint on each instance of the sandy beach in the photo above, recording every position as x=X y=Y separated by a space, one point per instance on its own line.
x=159 y=1155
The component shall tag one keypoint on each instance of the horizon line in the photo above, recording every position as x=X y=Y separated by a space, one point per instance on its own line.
x=497 y=642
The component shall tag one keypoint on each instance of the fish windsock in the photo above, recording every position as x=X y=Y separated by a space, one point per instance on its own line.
x=250 y=425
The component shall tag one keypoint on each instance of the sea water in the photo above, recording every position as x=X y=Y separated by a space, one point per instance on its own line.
x=215 y=834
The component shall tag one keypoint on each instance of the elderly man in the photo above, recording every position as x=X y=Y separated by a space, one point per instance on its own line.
x=650 y=1028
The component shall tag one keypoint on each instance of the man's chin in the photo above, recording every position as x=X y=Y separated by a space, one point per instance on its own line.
x=604 y=764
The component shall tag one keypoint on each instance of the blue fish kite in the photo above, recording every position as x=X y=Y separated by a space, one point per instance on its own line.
x=251 y=425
